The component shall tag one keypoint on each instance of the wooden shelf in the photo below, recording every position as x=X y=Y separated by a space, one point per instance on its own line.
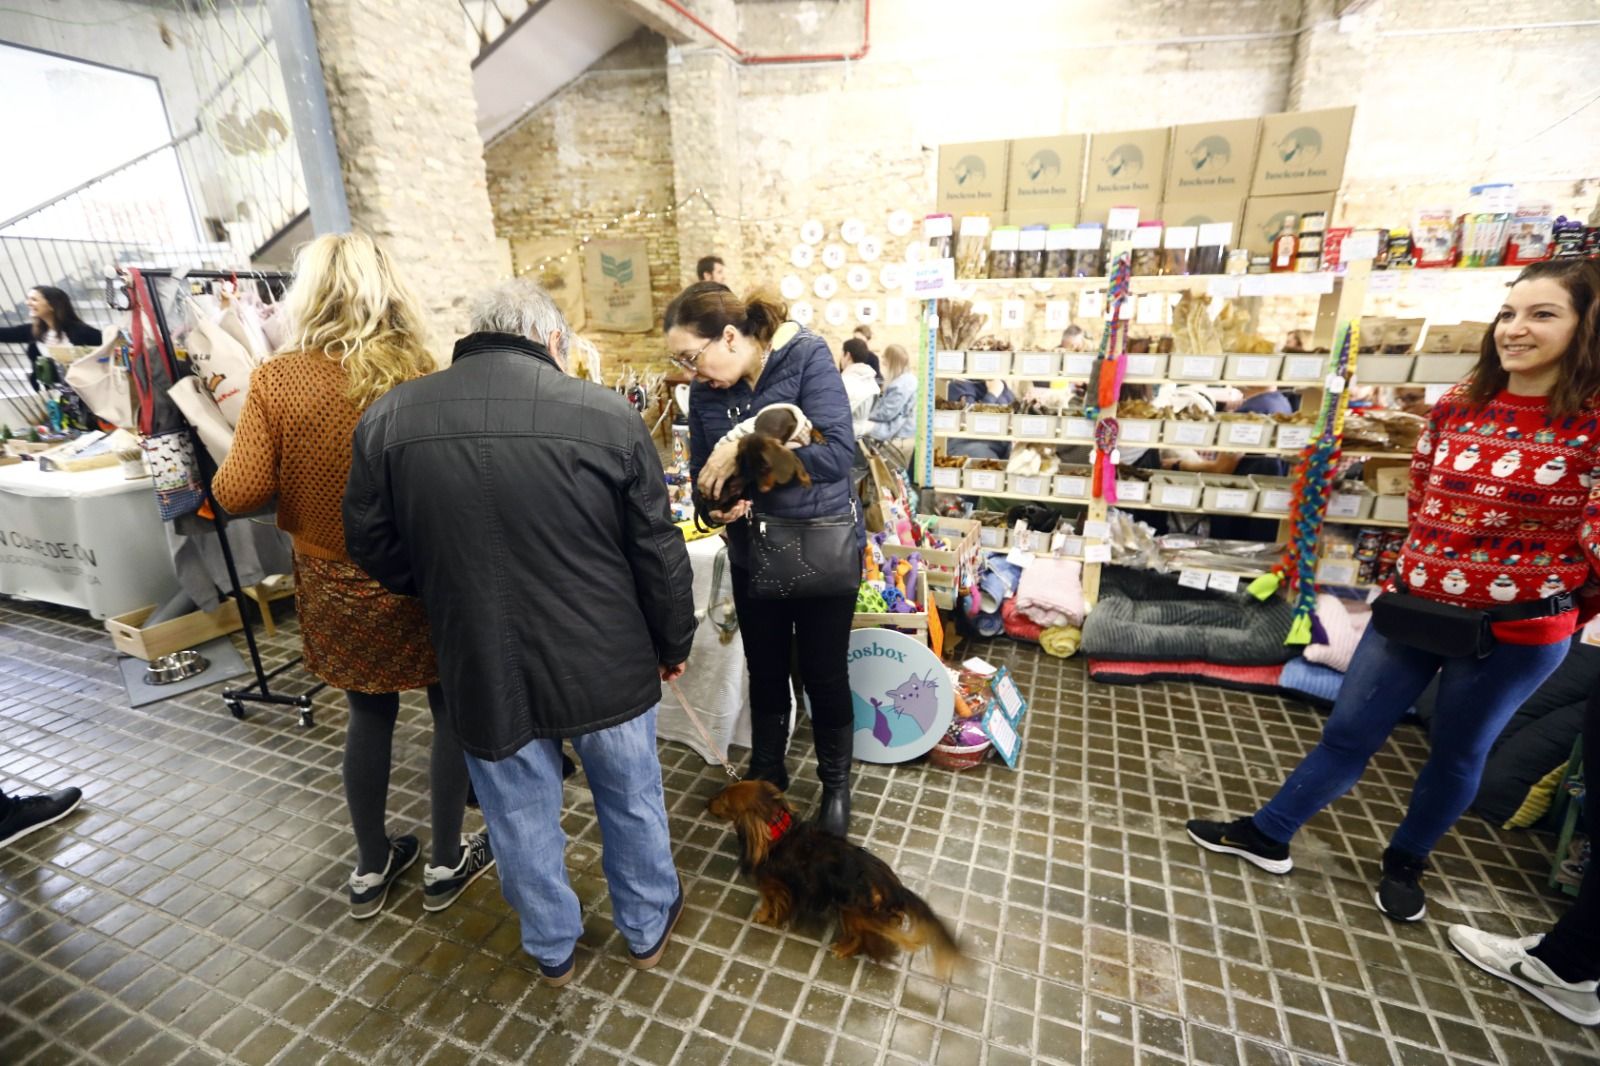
x=1376 y=523
x=1282 y=284
x=1253 y=449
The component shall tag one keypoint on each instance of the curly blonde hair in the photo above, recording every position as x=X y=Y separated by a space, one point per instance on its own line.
x=349 y=303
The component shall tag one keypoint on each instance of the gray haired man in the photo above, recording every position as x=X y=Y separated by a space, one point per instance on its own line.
x=528 y=510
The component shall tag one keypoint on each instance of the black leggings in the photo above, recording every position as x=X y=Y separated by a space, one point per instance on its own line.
x=1572 y=948
x=819 y=630
x=366 y=778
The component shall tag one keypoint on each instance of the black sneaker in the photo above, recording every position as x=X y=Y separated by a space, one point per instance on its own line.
x=1400 y=895
x=442 y=886
x=1243 y=839
x=369 y=891
x=646 y=959
x=24 y=814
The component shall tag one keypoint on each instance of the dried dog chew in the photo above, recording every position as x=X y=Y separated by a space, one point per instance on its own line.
x=949 y=460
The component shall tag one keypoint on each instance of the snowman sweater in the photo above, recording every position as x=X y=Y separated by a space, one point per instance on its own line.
x=1504 y=508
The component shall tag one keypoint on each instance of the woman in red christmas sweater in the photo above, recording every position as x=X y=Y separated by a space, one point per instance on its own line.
x=1504 y=522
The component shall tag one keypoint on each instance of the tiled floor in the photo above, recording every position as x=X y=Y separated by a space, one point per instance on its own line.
x=192 y=911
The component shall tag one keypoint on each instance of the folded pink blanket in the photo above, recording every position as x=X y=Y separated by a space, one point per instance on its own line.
x=1051 y=591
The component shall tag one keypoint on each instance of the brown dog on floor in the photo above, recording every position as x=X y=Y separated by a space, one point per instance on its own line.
x=763 y=459
x=800 y=869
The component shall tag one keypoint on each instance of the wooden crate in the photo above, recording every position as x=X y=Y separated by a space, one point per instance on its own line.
x=916 y=624
x=185 y=631
x=942 y=565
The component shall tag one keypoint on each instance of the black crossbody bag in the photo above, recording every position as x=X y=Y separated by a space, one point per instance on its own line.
x=1449 y=631
x=802 y=558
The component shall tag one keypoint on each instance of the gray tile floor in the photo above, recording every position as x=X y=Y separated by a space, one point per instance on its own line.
x=192 y=912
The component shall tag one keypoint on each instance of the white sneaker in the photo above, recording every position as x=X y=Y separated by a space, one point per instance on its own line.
x=1507 y=957
x=442 y=885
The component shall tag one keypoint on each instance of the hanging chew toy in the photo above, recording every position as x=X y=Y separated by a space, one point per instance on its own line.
x=1105 y=382
x=1313 y=486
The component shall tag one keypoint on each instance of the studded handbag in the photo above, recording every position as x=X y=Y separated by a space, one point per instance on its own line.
x=803 y=558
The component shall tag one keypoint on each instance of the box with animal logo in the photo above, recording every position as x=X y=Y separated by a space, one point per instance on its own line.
x=1264 y=215
x=972 y=178
x=1203 y=211
x=1302 y=152
x=1126 y=169
x=1046 y=180
x=1212 y=160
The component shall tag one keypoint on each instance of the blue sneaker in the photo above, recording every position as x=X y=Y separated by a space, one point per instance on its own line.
x=645 y=960
x=556 y=976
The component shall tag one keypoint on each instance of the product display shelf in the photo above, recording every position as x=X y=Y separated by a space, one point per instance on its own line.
x=1067 y=501
x=1285 y=283
x=1254 y=449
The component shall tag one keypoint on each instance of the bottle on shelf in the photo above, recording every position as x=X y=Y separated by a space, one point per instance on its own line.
x=1284 y=246
x=1308 y=254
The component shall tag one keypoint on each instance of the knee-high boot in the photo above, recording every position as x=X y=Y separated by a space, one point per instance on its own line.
x=835 y=751
x=769 y=744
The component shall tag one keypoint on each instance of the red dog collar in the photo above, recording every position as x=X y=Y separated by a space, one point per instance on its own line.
x=779 y=826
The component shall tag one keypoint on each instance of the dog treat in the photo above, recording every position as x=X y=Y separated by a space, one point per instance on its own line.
x=949 y=460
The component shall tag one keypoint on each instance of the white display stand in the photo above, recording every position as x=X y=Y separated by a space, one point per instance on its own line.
x=715 y=681
x=91 y=539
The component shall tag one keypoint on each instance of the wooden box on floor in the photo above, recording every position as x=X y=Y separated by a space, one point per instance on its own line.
x=178 y=634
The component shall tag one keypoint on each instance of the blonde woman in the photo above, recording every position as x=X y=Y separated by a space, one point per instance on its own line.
x=355 y=333
x=894 y=417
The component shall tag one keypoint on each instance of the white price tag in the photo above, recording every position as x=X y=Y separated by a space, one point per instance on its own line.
x=993 y=425
x=1018 y=557
x=1275 y=501
x=1077 y=366
x=1302 y=367
x=1199 y=366
x=1133 y=491
x=1246 y=432
x=1027 y=486
x=1224 y=582
x=1092 y=305
x=950 y=362
x=1058 y=541
x=1072 y=488
x=1357 y=246
x=1252 y=367
x=1344 y=505
x=1057 y=314
x=974 y=225
x=935 y=226
x=1177 y=495
x=1383 y=281
x=986 y=480
x=1077 y=429
x=1097 y=553
x=1147 y=237
x=1124 y=309
x=1152 y=309
x=1334 y=383
x=1122 y=218
x=1096 y=530
x=1181 y=236
x=1036 y=365
x=1011 y=314
x=1192 y=433
x=1193 y=579
x=1032 y=426
x=1216 y=233
x=1233 y=500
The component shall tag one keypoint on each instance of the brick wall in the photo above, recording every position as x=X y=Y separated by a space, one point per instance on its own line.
x=600 y=148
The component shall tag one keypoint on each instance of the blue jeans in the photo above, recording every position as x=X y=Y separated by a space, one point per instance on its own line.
x=1476 y=699
x=521 y=800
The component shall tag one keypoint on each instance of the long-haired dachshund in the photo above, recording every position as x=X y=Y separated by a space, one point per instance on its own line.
x=763 y=459
x=800 y=869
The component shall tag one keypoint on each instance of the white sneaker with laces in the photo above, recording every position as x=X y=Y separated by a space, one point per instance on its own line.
x=443 y=885
x=1507 y=957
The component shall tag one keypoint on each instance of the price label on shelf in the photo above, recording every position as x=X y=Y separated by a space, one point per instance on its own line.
x=1252 y=367
x=1097 y=553
x=1122 y=218
x=1294 y=436
x=1011 y=314
x=1246 y=432
x=1199 y=366
x=1096 y=530
x=1334 y=383
x=933 y=226
x=1019 y=557
x=1357 y=246
x=1091 y=305
x=1217 y=233
x=1057 y=314
x=1192 y=433
x=1233 y=500
x=1193 y=579
x=1224 y=582
x=993 y=425
x=1177 y=496
x=1032 y=426
x=1152 y=309
x=986 y=480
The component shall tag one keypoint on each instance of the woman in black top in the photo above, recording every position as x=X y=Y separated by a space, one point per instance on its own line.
x=54 y=321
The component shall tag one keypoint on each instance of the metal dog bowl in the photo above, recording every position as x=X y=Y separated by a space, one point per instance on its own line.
x=166 y=669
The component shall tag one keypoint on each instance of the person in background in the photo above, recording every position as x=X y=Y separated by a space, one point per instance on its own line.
x=52 y=321
x=967 y=394
x=859 y=369
x=1074 y=339
x=1263 y=400
x=1535 y=387
x=529 y=511
x=21 y=815
x=356 y=334
x=1562 y=966
x=893 y=418
x=710 y=268
x=745 y=356
x=863 y=331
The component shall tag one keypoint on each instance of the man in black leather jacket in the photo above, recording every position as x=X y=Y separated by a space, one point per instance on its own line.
x=529 y=511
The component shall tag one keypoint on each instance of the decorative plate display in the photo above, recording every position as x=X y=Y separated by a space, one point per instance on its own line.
x=903 y=697
x=811 y=231
x=833 y=256
x=853 y=230
x=869 y=249
x=801 y=255
x=792 y=287
x=801 y=312
x=836 y=314
x=892 y=276
x=825 y=286
x=867 y=311
x=858 y=277
x=900 y=221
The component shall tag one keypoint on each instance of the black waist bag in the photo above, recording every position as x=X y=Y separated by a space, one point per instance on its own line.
x=1430 y=626
x=801 y=558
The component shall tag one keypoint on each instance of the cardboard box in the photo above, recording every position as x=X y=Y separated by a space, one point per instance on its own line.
x=1387 y=477
x=1212 y=160
x=1126 y=169
x=1264 y=215
x=1046 y=180
x=1202 y=211
x=1302 y=152
x=972 y=178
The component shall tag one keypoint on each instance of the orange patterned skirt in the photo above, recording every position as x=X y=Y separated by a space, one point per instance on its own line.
x=358 y=635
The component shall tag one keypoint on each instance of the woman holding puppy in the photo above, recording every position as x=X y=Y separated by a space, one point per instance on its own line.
x=746 y=356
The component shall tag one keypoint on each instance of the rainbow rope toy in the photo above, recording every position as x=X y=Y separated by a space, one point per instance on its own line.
x=1313 y=485
x=1105 y=383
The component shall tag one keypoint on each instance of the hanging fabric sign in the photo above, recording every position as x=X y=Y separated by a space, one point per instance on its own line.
x=616 y=276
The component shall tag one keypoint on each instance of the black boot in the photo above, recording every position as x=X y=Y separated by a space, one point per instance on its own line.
x=835 y=750
x=769 y=744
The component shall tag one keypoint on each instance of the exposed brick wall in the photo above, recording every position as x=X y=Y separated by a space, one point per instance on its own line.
x=600 y=148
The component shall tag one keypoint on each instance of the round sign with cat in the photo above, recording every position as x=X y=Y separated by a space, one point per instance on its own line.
x=903 y=696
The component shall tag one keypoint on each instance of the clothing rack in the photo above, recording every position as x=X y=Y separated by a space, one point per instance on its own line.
x=260 y=690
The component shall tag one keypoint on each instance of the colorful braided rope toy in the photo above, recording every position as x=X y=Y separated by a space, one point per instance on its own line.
x=1105 y=381
x=1313 y=485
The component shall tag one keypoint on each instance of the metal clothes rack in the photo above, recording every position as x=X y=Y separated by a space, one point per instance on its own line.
x=260 y=690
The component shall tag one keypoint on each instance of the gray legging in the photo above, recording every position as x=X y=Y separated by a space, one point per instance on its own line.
x=366 y=778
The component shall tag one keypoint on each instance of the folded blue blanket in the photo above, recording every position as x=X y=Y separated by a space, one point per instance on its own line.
x=1320 y=684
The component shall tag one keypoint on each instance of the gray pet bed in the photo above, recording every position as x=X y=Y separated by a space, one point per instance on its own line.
x=1149 y=617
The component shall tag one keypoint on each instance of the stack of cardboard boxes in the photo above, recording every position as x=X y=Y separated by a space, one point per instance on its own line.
x=1249 y=172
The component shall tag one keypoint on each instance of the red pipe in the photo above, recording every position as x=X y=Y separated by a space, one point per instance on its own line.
x=748 y=59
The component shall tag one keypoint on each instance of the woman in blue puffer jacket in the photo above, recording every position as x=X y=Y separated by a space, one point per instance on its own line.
x=745 y=355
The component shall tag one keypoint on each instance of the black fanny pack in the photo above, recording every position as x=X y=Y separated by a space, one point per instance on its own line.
x=1454 y=632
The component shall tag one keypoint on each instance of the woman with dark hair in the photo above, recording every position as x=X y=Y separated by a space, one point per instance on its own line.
x=53 y=321
x=1504 y=532
x=745 y=356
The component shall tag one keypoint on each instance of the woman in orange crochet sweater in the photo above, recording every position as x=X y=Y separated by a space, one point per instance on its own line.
x=355 y=334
